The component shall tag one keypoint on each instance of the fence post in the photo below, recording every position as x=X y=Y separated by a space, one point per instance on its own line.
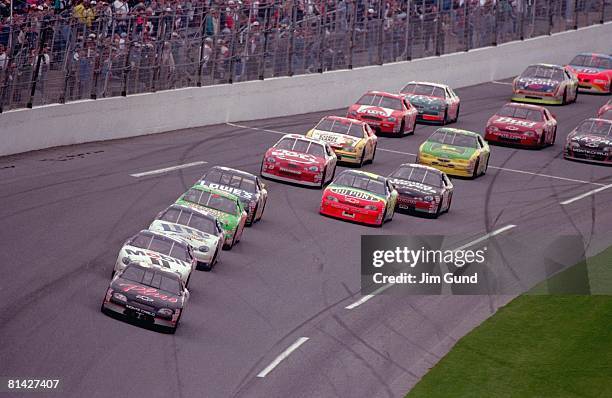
x=201 y=55
x=603 y=12
x=322 y=41
x=381 y=32
x=495 y=21
x=436 y=38
x=292 y=27
x=466 y=25
x=549 y=17
x=126 y=68
x=521 y=15
x=352 y=35
x=409 y=31
x=575 y=14
x=41 y=43
x=262 y=58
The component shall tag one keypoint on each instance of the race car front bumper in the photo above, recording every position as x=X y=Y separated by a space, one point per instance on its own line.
x=351 y=213
x=312 y=179
x=593 y=85
x=537 y=98
x=511 y=139
x=205 y=258
x=592 y=157
x=410 y=204
x=382 y=126
x=120 y=310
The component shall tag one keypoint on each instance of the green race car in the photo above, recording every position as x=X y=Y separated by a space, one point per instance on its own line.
x=456 y=152
x=224 y=206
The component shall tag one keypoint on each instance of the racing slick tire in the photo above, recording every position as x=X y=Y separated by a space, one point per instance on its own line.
x=486 y=166
x=438 y=211
x=445 y=120
x=253 y=220
x=476 y=166
x=413 y=127
x=564 y=100
x=382 y=221
x=362 y=159
x=450 y=201
x=172 y=330
x=262 y=210
x=554 y=137
x=373 y=154
x=457 y=114
x=575 y=96
x=402 y=129
x=323 y=178
x=542 y=143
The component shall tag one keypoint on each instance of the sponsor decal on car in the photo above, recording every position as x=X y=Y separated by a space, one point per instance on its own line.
x=375 y=110
x=147 y=291
x=509 y=120
x=355 y=194
x=234 y=191
x=291 y=156
x=155 y=258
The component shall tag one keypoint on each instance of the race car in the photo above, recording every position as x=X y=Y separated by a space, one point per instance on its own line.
x=545 y=84
x=590 y=141
x=250 y=190
x=434 y=102
x=352 y=140
x=157 y=250
x=150 y=295
x=385 y=112
x=456 y=152
x=594 y=72
x=522 y=125
x=360 y=197
x=226 y=207
x=300 y=160
x=605 y=112
x=422 y=189
x=201 y=230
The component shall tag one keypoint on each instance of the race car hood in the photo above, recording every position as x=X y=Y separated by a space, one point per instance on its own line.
x=356 y=193
x=334 y=139
x=244 y=196
x=448 y=151
x=228 y=221
x=592 y=141
x=414 y=188
x=149 y=296
x=423 y=101
x=304 y=159
x=537 y=84
x=375 y=111
x=194 y=237
x=512 y=124
x=149 y=257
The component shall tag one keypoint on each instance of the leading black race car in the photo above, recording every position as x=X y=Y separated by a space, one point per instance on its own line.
x=152 y=296
x=247 y=187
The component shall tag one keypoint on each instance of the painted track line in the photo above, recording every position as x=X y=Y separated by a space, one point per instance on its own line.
x=504 y=83
x=167 y=169
x=586 y=194
x=472 y=243
x=282 y=356
x=414 y=154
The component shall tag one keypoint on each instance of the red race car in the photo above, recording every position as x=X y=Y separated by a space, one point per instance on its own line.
x=300 y=160
x=594 y=72
x=522 y=125
x=605 y=112
x=385 y=112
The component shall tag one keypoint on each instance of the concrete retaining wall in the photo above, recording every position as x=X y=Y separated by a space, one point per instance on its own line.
x=104 y=119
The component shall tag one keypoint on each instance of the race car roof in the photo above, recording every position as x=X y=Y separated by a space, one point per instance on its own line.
x=302 y=137
x=597 y=55
x=163 y=235
x=344 y=119
x=428 y=84
x=385 y=94
x=234 y=171
x=456 y=131
x=215 y=191
x=366 y=174
x=421 y=166
x=548 y=66
x=522 y=105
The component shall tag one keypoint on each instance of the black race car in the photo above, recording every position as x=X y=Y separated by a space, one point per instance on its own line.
x=422 y=189
x=247 y=187
x=149 y=295
x=590 y=141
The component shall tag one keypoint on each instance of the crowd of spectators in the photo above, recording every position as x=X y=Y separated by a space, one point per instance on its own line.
x=83 y=48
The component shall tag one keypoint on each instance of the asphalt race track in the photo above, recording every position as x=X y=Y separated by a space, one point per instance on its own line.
x=65 y=213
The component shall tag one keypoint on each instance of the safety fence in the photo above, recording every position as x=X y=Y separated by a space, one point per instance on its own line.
x=64 y=57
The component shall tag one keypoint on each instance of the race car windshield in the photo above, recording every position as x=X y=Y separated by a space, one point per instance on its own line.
x=161 y=244
x=521 y=113
x=303 y=146
x=595 y=127
x=152 y=279
x=543 y=72
x=230 y=179
x=340 y=127
x=211 y=200
x=424 y=89
x=190 y=219
x=456 y=139
x=381 y=101
x=420 y=175
x=592 y=61
x=361 y=182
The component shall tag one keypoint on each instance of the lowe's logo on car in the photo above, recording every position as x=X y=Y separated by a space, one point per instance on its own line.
x=355 y=194
x=516 y=122
x=235 y=191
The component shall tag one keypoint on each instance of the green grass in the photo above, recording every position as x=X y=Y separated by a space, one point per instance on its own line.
x=538 y=345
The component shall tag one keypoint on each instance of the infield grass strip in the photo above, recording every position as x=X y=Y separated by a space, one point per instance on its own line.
x=536 y=346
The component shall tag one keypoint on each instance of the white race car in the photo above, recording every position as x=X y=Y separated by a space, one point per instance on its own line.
x=154 y=249
x=200 y=229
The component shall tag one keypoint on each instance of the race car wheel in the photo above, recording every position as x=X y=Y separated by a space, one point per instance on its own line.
x=113 y=273
x=445 y=120
x=575 y=96
x=323 y=178
x=486 y=166
x=263 y=209
x=384 y=217
x=476 y=166
x=362 y=159
x=438 y=211
x=542 y=142
x=250 y=223
x=402 y=129
x=554 y=137
x=413 y=127
x=172 y=330
x=457 y=114
x=564 y=101
x=450 y=201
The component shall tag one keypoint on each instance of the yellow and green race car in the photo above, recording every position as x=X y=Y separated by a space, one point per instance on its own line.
x=456 y=152
x=352 y=140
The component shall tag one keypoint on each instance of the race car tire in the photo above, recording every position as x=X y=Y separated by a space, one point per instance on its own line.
x=362 y=159
x=438 y=211
x=450 y=201
x=172 y=330
x=575 y=96
x=402 y=129
x=457 y=114
x=384 y=217
x=188 y=279
x=263 y=209
x=113 y=273
x=476 y=166
x=445 y=120
x=542 y=142
x=333 y=174
x=323 y=178
x=554 y=137
x=486 y=166
x=253 y=219
x=373 y=154
x=564 y=100
x=413 y=127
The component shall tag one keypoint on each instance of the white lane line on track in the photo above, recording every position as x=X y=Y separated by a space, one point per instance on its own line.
x=472 y=243
x=504 y=83
x=586 y=194
x=167 y=169
x=282 y=356
x=414 y=154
